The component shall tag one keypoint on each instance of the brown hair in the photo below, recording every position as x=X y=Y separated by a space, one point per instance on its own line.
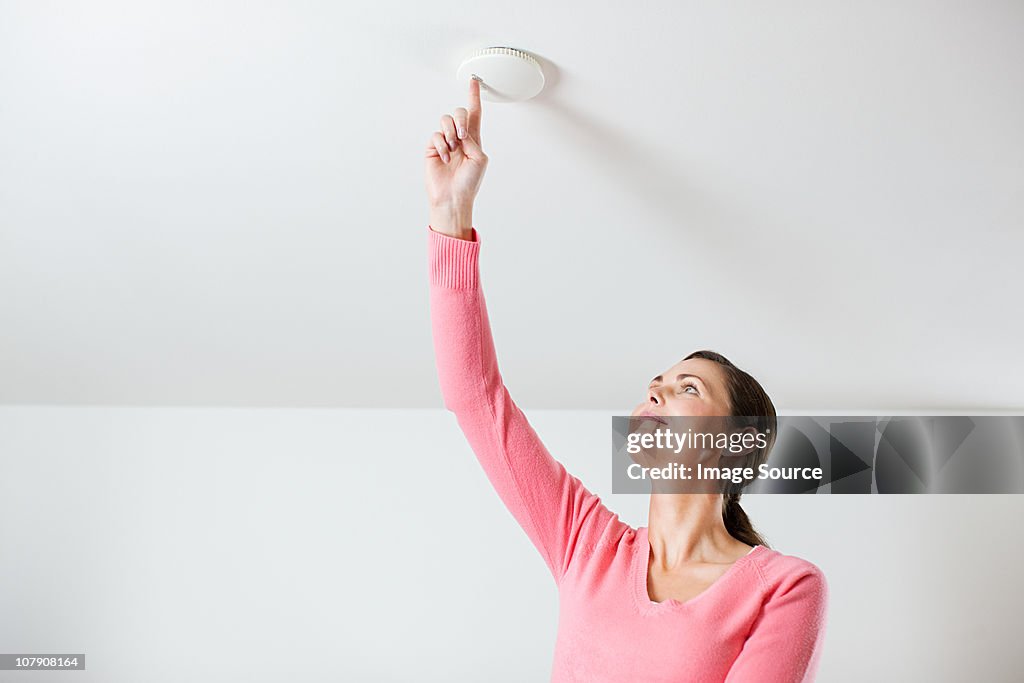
x=746 y=398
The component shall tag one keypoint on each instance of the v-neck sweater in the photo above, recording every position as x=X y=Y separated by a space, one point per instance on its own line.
x=763 y=620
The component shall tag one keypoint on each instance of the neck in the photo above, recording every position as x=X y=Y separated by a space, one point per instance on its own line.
x=688 y=527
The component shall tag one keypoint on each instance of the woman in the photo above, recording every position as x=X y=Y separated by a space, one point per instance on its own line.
x=697 y=595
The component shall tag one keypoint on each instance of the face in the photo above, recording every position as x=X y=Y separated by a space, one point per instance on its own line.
x=700 y=391
x=691 y=388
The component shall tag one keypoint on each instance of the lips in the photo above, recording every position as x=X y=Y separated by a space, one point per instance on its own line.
x=654 y=417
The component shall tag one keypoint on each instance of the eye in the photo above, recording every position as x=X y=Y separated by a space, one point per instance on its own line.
x=689 y=385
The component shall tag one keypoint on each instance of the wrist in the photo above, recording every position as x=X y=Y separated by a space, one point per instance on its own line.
x=455 y=221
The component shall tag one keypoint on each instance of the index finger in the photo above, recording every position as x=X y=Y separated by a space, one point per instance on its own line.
x=474 y=107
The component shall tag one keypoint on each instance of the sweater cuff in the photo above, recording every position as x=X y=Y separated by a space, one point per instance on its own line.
x=454 y=262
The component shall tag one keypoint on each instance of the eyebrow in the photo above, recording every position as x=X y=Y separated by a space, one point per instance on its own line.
x=680 y=376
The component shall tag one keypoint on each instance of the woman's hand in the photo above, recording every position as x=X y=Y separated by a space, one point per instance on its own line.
x=455 y=168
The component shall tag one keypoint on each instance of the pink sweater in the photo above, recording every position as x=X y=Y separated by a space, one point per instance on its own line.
x=763 y=620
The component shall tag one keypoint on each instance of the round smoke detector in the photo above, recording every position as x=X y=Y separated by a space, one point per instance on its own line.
x=505 y=74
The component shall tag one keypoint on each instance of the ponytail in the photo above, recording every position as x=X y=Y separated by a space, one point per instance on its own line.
x=737 y=523
x=747 y=400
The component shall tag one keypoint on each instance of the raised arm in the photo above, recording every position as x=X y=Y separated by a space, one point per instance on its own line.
x=559 y=515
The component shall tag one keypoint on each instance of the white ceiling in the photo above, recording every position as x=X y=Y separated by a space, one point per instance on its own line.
x=223 y=203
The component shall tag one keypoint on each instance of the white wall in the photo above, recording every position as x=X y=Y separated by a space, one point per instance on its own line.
x=173 y=544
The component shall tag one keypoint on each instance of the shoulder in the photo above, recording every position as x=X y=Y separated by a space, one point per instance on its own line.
x=790 y=577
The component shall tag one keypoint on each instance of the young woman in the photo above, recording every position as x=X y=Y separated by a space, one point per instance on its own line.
x=697 y=595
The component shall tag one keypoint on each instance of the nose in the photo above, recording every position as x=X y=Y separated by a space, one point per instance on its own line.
x=655 y=397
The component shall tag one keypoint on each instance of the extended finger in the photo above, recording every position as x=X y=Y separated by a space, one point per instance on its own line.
x=473 y=122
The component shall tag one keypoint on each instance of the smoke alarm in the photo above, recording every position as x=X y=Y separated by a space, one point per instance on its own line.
x=505 y=74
